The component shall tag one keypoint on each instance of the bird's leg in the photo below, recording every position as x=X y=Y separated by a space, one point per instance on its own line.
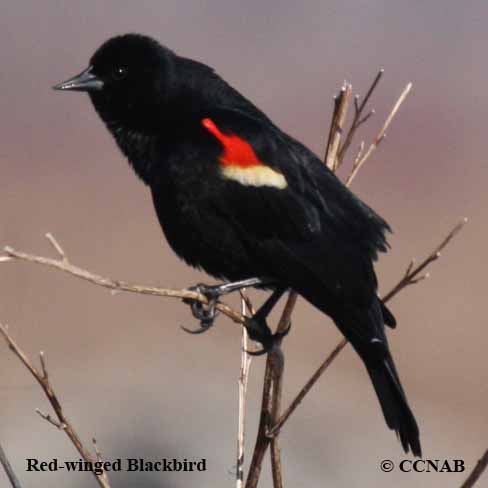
x=206 y=313
x=258 y=329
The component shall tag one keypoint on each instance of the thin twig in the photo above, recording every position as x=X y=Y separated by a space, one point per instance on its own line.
x=278 y=362
x=49 y=419
x=9 y=471
x=262 y=440
x=42 y=360
x=380 y=136
x=57 y=246
x=359 y=154
x=242 y=385
x=412 y=273
x=341 y=107
x=98 y=453
x=65 y=265
x=372 y=88
x=306 y=388
x=478 y=470
x=358 y=119
x=61 y=422
x=270 y=405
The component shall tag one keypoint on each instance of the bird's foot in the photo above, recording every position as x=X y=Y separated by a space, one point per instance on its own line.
x=204 y=312
x=259 y=331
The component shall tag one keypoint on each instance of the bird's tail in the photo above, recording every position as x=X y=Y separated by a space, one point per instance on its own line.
x=394 y=404
x=366 y=333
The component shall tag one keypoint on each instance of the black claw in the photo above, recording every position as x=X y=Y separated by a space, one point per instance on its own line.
x=202 y=312
x=260 y=352
x=205 y=313
x=284 y=333
x=269 y=344
x=259 y=331
x=200 y=330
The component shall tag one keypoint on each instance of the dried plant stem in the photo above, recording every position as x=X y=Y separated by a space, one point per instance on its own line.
x=262 y=441
x=380 y=136
x=270 y=406
x=242 y=386
x=274 y=431
x=66 y=266
x=341 y=106
x=61 y=422
x=278 y=368
x=359 y=119
x=412 y=272
x=478 y=470
x=9 y=471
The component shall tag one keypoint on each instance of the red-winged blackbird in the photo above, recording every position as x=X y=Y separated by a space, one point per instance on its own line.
x=246 y=202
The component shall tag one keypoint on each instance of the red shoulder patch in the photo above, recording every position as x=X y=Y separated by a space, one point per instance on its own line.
x=237 y=151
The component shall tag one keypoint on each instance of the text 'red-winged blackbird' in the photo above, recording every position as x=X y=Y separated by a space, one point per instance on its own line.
x=241 y=199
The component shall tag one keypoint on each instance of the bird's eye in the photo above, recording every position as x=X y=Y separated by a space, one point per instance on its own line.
x=119 y=73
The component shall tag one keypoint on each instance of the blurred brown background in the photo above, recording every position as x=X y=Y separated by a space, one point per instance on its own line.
x=123 y=368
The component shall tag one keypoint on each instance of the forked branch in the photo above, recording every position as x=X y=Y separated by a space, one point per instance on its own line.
x=60 y=421
x=64 y=264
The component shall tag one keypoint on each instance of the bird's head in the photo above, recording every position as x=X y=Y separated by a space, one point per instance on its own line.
x=129 y=79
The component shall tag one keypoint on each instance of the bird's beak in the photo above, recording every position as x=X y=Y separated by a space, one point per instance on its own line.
x=86 y=81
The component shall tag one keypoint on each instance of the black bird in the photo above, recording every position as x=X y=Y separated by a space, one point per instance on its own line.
x=247 y=203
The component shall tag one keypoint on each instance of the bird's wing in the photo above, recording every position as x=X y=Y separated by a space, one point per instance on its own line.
x=283 y=197
x=288 y=179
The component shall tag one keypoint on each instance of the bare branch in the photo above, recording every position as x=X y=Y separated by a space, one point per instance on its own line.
x=478 y=470
x=43 y=365
x=380 y=136
x=278 y=361
x=412 y=273
x=9 y=471
x=366 y=117
x=115 y=285
x=370 y=91
x=246 y=306
x=49 y=419
x=358 y=119
x=270 y=406
x=262 y=441
x=97 y=450
x=301 y=395
x=61 y=422
x=396 y=107
x=341 y=107
x=57 y=247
